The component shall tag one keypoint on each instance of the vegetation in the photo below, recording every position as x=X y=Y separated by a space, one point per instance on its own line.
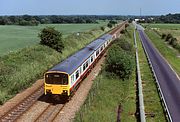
x=119 y=61
x=18 y=70
x=54 y=19
x=15 y=37
x=111 y=23
x=152 y=102
x=168 y=32
x=52 y=38
x=109 y=94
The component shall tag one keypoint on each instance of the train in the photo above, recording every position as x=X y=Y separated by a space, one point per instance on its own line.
x=64 y=78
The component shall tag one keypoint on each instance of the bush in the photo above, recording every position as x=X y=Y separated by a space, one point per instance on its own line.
x=163 y=36
x=119 y=62
x=102 y=28
x=109 y=25
x=168 y=37
x=52 y=38
x=173 y=42
x=124 y=44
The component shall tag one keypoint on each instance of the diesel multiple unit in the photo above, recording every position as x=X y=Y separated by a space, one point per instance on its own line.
x=64 y=78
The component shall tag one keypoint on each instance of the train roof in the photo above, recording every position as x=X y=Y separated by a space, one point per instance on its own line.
x=73 y=62
x=70 y=64
x=98 y=42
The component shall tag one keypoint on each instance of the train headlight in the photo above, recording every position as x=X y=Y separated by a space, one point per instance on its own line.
x=65 y=91
x=48 y=91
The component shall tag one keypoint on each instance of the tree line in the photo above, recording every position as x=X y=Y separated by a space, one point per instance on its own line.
x=169 y=18
x=54 y=19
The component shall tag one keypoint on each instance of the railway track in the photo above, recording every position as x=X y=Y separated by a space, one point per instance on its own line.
x=50 y=113
x=22 y=106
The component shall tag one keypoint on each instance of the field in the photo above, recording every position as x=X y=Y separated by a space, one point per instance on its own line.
x=174 y=29
x=21 y=68
x=13 y=37
x=170 y=54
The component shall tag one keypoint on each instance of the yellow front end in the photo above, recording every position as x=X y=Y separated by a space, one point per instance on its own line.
x=57 y=89
x=57 y=83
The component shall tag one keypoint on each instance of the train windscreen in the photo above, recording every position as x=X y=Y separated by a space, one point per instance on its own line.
x=56 y=78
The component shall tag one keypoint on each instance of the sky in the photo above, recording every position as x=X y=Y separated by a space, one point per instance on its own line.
x=89 y=7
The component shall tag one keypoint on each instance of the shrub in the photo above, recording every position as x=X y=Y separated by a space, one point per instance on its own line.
x=168 y=37
x=52 y=38
x=109 y=25
x=119 y=62
x=163 y=36
x=124 y=44
x=102 y=28
x=173 y=42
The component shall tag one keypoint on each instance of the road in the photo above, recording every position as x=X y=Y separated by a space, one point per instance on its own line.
x=168 y=81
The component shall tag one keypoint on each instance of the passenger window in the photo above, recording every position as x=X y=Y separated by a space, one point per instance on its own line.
x=72 y=78
x=92 y=58
x=97 y=52
x=77 y=74
x=101 y=48
x=84 y=66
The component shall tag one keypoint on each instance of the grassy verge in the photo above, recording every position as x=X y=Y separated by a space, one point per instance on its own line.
x=152 y=103
x=107 y=94
x=18 y=70
x=168 y=53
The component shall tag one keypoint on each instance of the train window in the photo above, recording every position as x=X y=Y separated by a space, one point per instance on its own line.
x=56 y=78
x=101 y=48
x=97 y=52
x=84 y=66
x=72 y=79
x=92 y=58
x=77 y=74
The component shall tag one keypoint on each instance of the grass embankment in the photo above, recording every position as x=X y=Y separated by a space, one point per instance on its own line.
x=20 y=69
x=169 y=53
x=110 y=93
x=152 y=103
x=14 y=37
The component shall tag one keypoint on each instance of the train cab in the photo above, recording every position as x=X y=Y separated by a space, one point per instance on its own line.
x=57 y=83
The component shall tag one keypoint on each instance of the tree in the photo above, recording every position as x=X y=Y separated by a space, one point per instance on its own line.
x=109 y=25
x=102 y=28
x=52 y=38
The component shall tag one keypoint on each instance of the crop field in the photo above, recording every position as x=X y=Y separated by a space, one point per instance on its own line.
x=13 y=37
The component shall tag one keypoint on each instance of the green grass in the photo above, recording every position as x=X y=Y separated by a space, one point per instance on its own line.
x=20 y=69
x=108 y=95
x=169 y=54
x=151 y=98
x=164 y=26
x=14 y=37
x=174 y=29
